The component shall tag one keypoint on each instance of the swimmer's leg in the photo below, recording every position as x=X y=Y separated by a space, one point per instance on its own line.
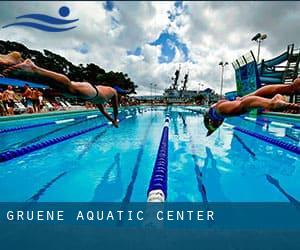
x=247 y=103
x=282 y=89
x=64 y=82
x=11 y=58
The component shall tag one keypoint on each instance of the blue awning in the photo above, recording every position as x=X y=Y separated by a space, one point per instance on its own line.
x=19 y=83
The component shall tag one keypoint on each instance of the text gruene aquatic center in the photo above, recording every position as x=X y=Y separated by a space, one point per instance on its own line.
x=109 y=215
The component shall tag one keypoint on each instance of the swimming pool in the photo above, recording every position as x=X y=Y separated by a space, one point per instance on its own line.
x=115 y=165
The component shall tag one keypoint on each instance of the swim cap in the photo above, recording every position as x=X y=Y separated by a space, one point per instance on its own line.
x=211 y=124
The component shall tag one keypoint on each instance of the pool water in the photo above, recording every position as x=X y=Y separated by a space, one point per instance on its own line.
x=115 y=165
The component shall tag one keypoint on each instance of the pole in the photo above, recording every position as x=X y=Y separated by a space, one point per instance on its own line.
x=151 y=92
x=258 y=51
x=222 y=80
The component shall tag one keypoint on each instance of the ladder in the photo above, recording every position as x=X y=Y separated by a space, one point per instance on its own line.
x=292 y=69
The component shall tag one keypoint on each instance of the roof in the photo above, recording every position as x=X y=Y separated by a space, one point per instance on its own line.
x=18 y=83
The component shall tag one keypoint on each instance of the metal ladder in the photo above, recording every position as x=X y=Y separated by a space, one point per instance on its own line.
x=292 y=69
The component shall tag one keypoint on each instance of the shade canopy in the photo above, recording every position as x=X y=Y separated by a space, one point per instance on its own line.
x=18 y=83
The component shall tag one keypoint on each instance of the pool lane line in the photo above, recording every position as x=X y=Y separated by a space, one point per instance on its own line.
x=250 y=119
x=281 y=144
x=104 y=178
x=197 y=167
x=40 y=192
x=57 y=122
x=11 y=154
x=276 y=184
x=92 y=141
x=40 y=137
x=136 y=167
x=158 y=186
x=88 y=145
x=244 y=145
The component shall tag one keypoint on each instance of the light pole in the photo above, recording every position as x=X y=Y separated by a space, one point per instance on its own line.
x=151 y=89
x=259 y=38
x=222 y=64
x=155 y=85
x=200 y=85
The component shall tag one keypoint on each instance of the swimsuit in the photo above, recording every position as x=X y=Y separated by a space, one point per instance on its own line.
x=116 y=88
x=214 y=115
x=97 y=93
x=120 y=91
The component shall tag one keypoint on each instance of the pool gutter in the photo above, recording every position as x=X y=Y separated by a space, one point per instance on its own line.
x=281 y=115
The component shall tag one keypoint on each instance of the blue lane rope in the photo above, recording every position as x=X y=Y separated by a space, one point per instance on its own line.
x=157 y=191
x=58 y=122
x=11 y=154
x=287 y=146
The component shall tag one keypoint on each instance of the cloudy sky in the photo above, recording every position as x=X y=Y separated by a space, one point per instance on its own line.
x=148 y=40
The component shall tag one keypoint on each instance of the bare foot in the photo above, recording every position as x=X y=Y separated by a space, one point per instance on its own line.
x=279 y=104
x=115 y=123
x=11 y=59
x=27 y=66
x=296 y=85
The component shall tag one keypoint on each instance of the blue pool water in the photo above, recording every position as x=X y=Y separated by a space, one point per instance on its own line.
x=110 y=164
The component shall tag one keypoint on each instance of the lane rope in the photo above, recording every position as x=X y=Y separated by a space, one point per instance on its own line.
x=157 y=191
x=11 y=154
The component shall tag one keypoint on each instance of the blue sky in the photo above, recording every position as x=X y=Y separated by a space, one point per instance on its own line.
x=168 y=41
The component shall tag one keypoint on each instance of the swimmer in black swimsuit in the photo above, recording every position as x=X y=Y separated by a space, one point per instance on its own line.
x=268 y=97
x=97 y=94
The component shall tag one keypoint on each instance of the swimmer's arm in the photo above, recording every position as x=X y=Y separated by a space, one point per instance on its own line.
x=115 y=105
x=104 y=112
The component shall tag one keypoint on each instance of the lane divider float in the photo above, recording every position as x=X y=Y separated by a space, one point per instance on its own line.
x=157 y=191
x=11 y=154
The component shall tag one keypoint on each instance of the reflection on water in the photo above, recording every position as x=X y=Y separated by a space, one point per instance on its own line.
x=110 y=188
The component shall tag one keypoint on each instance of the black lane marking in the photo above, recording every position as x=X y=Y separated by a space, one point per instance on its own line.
x=104 y=179
x=90 y=143
x=244 y=145
x=276 y=184
x=135 y=170
x=40 y=192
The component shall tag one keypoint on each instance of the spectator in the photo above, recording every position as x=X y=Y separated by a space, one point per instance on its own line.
x=35 y=100
x=41 y=100
x=9 y=98
x=27 y=95
x=3 y=110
